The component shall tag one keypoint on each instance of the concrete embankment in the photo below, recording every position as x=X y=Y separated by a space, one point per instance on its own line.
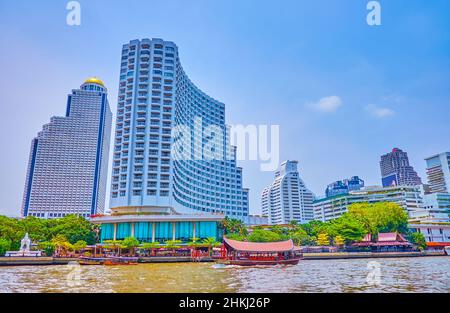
x=180 y=259
x=22 y=261
x=368 y=255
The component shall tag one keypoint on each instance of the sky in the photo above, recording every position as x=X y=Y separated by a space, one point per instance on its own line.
x=343 y=92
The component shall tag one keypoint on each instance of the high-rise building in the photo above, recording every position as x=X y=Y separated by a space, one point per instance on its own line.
x=343 y=187
x=171 y=149
x=396 y=171
x=287 y=198
x=438 y=172
x=68 y=164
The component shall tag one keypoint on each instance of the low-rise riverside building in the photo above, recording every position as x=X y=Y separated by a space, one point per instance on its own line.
x=158 y=225
x=409 y=197
x=433 y=232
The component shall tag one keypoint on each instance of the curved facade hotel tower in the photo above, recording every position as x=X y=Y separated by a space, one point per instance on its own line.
x=154 y=171
x=68 y=162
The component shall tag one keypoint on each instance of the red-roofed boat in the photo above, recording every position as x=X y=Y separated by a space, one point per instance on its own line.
x=255 y=253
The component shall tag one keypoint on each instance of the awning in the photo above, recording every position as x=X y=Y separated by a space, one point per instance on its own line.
x=281 y=246
x=438 y=244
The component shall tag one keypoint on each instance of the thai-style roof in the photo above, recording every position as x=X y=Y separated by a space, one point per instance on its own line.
x=281 y=246
x=384 y=239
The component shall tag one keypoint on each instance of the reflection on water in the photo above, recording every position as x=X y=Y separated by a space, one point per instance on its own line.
x=396 y=275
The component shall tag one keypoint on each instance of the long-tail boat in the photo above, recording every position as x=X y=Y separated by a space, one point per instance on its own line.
x=255 y=253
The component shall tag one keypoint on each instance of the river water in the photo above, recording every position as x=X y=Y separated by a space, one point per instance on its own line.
x=430 y=274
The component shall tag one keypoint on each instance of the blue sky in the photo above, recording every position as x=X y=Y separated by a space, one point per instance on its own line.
x=270 y=62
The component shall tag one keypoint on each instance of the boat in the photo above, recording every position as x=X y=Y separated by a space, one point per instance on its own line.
x=255 y=253
x=90 y=261
x=118 y=260
x=447 y=250
x=259 y=262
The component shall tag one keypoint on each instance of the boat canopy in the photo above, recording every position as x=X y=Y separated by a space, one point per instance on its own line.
x=281 y=246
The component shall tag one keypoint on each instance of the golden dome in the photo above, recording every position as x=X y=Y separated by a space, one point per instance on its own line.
x=94 y=80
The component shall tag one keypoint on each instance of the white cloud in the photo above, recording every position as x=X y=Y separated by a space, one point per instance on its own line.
x=394 y=98
x=327 y=104
x=379 y=112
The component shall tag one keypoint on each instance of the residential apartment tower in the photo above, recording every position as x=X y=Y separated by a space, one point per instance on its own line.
x=287 y=199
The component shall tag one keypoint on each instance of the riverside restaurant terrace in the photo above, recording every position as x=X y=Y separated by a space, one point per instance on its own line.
x=158 y=225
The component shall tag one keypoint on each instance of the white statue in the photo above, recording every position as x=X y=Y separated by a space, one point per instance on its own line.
x=25 y=244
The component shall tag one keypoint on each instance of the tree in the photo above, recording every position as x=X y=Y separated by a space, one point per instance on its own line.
x=113 y=245
x=348 y=228
x=236 y=237
x=36 y=228
x=11 y=230
x=293 y=224
x=339 y=240
x=418 y=239
x=61 y=244
x=380 y=217
x=277 y=229
x=260 y=235
x=323 y=240
x=79 y=245
x=47 y=247
x=391 y=218
x=300 y=237
x=130 y=243
x=152 y=246
x=173 y=244
x=5 y=245
x=74 y=228
x=234 y=226
x=313 y=228
x=211 y=242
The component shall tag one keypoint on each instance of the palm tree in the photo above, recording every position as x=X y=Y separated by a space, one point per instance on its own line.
x=152 y=246
x=173 y=245
x=192 y=243
x=113 y=245
x=130 y=243
x=211 y=242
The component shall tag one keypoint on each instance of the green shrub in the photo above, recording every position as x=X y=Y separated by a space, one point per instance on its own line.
x=5 y=245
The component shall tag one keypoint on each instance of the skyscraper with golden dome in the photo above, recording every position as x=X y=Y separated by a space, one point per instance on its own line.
x=68 y=164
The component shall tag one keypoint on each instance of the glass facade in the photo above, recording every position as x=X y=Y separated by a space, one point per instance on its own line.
x=67 y=169
x=160 y=231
